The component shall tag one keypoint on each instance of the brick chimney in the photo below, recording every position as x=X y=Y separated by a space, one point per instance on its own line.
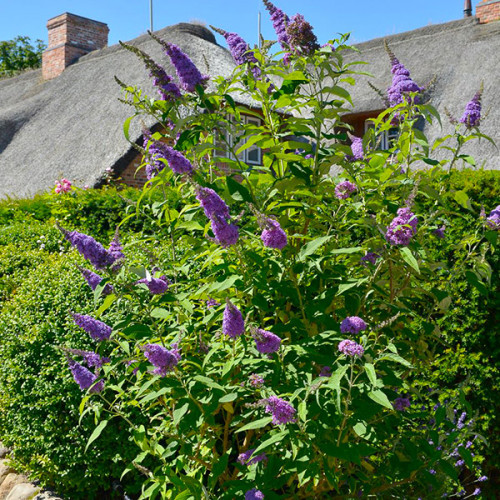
x=71 y=37
x=488 y=11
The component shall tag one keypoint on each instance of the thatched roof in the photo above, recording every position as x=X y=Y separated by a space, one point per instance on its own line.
x=459 y=55
x=72 y=126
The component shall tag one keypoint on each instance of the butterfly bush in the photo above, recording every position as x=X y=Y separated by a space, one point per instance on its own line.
x=196 y=383
x=472 y=113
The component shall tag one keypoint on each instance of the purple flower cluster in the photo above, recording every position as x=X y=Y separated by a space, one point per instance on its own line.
x=95 y=328
x=244 y=458
x=92 y=359
x=84 y=378
x=163 y=359
x=233 y=324
x=371 y=257
x=188 y=73
x=238 y=47
x=356 y=148
x=94 y=279
x=116 y=250
x=256 y=380
x=461 y=420
x=402 y=227
x=472 y=114
x=352 y=324
x=156 y=286
x=212 y=303
x=493 y=221
x=168 y=90
x=351 y=348
x=400 y=404
x=439 y=231
x=401 y=83
x=159 y=151
x=281 y=410
x=326 y=371
x=91 y=250
x=254 y=494
x=218 y=212
x=301 y=37
x=266 y=342
x=280 y=21
x=344 y=189
x=273 y=235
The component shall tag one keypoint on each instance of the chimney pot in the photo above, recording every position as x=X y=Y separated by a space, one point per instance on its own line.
x=70 y=37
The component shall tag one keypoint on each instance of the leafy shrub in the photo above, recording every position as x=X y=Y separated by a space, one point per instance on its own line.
x=307 y=358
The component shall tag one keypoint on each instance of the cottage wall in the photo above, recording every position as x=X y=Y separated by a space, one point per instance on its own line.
x=488 y=11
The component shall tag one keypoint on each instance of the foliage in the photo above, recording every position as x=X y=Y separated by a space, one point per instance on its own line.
x=20 y=54
x=364 y=424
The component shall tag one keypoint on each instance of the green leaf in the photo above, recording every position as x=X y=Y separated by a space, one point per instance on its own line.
x=273 y=439
x=256 y=424
x=370 y=371
x=462 y=199
x=209 y=382
x=155 y=394
x=346 y=250
x=96 y=433
x=381 y=398
x=108 y=301
x=178 y=413
x=395 y=357
x=312 y=246
x=237 y=191
x=409 y=258
x=228 y=398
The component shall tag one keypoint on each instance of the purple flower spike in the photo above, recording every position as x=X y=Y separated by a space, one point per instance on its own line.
x=273 y=235
x=402 y=228
x=280 y=21
x=225 y=234
x=493 y=221
x=91 y=250
x=352 y=324
x=244 y=458
x=439 y=232
x=158 y=151
x=156 y=286
x=96 y=329
x=472 y=114
x=356 y=148
x=266 y=342
x=188 y=73
x=401 y=82
x=256 y=380
x=84 y=378
x=233 y=324
x=301 y=37
x=213 y=205
x=351 y=348
x=400 y=404
x=254 y=494
x=163 y=359
x=326 y=371
x=371 y=257
x=344 y=189
x=94 y=279
x=281 y=410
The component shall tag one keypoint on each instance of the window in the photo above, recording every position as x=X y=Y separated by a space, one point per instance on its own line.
x=386 y=138
x=251 y=156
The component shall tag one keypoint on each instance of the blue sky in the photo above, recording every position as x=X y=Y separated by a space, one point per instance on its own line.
x=127 y=19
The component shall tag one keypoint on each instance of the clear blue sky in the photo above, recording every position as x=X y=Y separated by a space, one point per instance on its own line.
x=127 y=19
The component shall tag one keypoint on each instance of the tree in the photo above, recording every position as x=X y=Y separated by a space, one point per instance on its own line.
x=19 y=54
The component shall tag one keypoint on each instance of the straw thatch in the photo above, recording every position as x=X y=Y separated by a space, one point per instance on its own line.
x=459 y=55
x=72 y=126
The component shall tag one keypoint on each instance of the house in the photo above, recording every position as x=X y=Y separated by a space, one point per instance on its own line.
x=65 y=120
x=456 y=57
